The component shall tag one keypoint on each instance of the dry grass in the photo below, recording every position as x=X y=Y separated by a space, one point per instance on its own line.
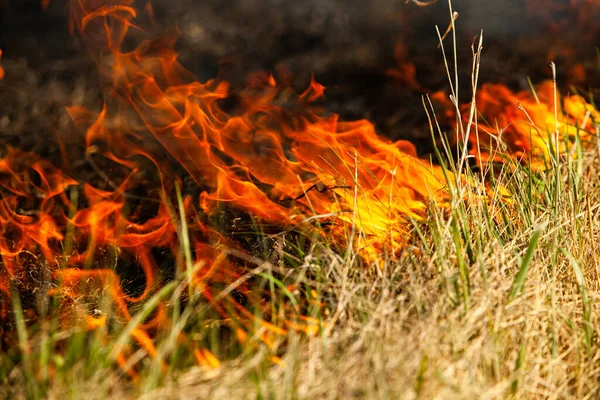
x=402 y=332
x=495 y=300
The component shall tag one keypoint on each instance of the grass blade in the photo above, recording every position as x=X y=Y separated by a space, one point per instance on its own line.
x=521 y=277
x=588 y=327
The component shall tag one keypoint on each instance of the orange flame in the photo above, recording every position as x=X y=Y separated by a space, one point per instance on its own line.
x=527 y=124
x=267 y=160
x=1 y=69
x=275 y=157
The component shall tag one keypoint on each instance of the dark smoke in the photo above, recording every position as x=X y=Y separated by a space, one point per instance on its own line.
x=348 y=45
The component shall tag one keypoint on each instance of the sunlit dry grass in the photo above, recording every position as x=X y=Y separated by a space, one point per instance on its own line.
x=529 y=329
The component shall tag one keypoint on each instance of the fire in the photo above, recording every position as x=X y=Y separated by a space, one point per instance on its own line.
x=1 y=69
x=276 y=159
x=525 y=125
x=272 y=155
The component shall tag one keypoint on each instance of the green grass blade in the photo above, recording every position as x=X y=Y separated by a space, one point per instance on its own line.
x=521 y=277
x=140 y=317
x=25 y=350
x=282 y=287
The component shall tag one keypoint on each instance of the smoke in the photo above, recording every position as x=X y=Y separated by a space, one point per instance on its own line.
x=348 y=45
x=311 y=35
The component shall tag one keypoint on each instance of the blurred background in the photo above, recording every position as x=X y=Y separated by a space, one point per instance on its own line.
x=375 y=57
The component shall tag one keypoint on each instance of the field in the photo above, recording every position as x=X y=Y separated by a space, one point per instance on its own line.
x=487 y=288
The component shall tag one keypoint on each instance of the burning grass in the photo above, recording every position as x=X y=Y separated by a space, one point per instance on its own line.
x=262 y=247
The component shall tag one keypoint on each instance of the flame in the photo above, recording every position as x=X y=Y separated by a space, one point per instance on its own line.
x=405 y=71
x=525 y=125
x=1 y=69
x=275 y=159
x=273 y=155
